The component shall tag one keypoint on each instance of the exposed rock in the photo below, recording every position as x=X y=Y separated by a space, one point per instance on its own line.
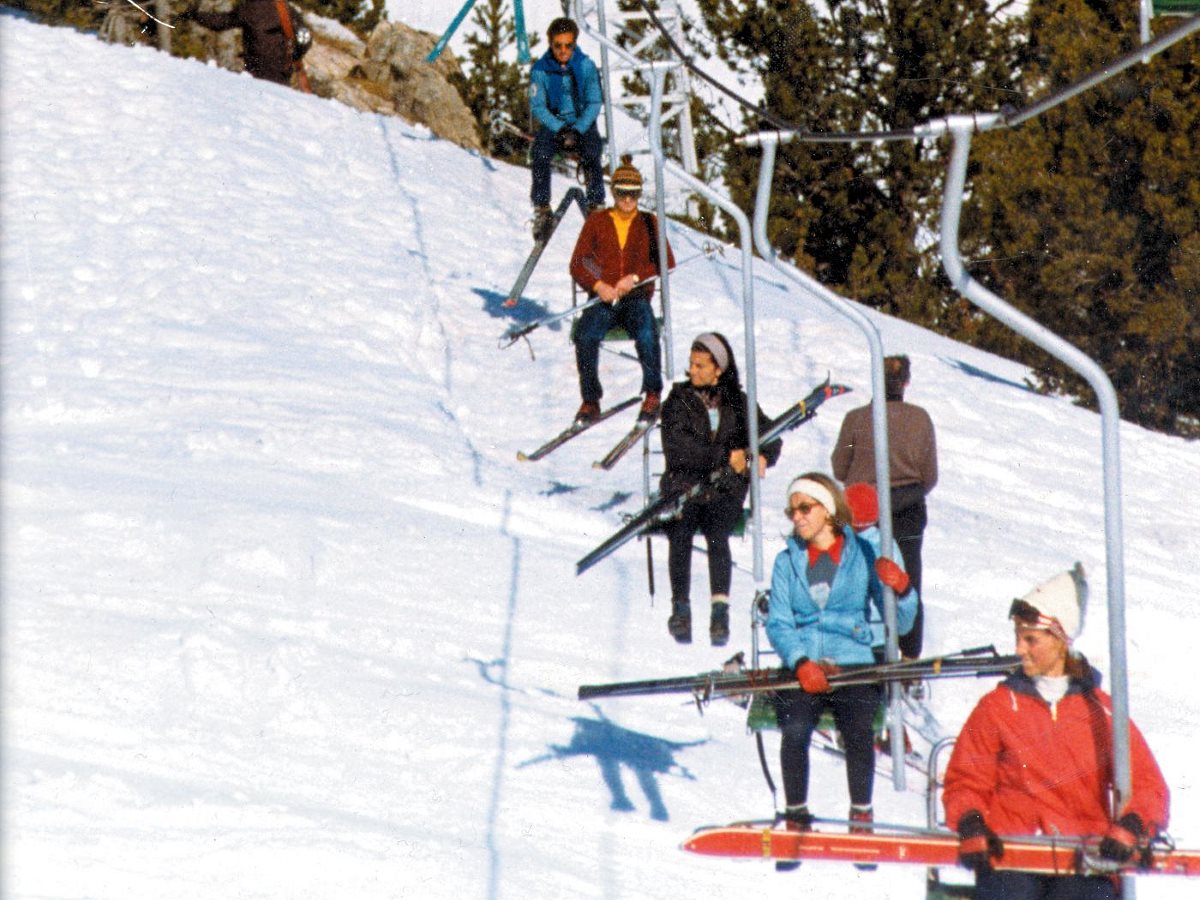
x=421 y=91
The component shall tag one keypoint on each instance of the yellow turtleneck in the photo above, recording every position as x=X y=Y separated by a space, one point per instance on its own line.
x=622 y=221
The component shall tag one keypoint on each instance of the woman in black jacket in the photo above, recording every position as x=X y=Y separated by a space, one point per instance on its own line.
x=704 y=427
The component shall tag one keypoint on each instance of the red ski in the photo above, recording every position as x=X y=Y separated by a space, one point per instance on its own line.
x=1043 y=855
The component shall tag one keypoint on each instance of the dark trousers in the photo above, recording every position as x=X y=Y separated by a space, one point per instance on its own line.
x=715 y=520
x=908 y=528
x=636 y=316
x=1025 y=886
x=590 y=150
x=854 y=714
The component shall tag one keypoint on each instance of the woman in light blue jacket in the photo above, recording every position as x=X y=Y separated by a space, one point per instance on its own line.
x=822 y=587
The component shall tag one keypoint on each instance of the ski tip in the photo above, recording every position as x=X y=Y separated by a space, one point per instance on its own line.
x=522 y=456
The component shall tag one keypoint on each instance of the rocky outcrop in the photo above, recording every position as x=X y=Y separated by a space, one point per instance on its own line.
x=389 y=74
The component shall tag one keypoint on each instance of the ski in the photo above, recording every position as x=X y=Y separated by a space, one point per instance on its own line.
x=574 y=194
x=1037 y=854
x=575 y=429
x=979 y=662
x=665 y=508
x=626 y=443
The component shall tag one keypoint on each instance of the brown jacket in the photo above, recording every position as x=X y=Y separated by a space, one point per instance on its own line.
x=268 y=52
x=599 y=256
x=912 y=447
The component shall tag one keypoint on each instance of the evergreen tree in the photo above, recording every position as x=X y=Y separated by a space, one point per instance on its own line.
x=496 y=88
x=1088 y=217
x=858 y=215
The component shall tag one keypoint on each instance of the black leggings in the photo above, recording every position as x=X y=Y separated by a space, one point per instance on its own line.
x=909 y=518
x=854 y=714
x=715 y=520
x=994 y=885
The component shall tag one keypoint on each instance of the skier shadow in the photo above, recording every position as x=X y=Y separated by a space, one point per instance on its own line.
x=614 y=747
x=523 y=312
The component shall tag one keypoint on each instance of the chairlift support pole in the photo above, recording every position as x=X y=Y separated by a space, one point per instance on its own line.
x=961 y=128
x=663 y=167
x=768 y=143
x=522 y=38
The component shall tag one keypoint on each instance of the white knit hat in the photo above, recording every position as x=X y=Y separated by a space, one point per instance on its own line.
x=1060 y=604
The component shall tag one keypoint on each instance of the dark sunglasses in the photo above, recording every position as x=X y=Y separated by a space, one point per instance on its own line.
x=803 y=508
x=1025 y=613
x=632 y=193
x=559 y=45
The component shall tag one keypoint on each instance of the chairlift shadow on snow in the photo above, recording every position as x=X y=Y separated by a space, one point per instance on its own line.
x=524 y=312
x=975 y=372
x=615 y=747
x=617 y=499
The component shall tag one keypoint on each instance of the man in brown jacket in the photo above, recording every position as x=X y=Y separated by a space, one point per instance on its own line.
x=268 y=43
x=912 y=458
x=616 y=251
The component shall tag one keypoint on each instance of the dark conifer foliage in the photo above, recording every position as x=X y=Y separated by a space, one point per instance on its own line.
x=858 y=216
x=495 y=84
x=1088 y=217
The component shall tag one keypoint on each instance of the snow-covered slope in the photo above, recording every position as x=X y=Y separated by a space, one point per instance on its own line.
x=282 y=615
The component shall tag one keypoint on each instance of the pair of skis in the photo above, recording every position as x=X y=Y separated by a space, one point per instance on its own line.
x=977 y=662
x=669 y=506
x=610 y=459
x=892 y=844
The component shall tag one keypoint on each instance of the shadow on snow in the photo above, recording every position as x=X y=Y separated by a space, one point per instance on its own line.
x=614 y=748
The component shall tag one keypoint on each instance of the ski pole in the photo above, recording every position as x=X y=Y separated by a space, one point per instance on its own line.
x=516 y=332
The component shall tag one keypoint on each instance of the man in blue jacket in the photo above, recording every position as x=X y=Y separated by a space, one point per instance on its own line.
x=565 y=99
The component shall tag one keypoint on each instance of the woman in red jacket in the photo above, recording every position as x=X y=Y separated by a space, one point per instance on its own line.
x=1035 y=757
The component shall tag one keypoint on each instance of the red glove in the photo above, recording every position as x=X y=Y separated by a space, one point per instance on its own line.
x=891 y=574
x=811 y=676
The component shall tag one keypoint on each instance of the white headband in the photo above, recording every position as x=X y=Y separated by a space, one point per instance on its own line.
x=814 y=489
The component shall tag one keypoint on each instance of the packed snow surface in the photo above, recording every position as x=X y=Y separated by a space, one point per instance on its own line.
x=284 y=617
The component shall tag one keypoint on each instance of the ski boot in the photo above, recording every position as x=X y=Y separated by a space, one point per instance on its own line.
x=680 y=623
x=718 y=625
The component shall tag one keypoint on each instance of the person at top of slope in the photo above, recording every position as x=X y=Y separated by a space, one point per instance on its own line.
x=705 y=425
x=616 y=251
x=1035 y=757
x=272 y=47
x=822 y=585
x=565 y=100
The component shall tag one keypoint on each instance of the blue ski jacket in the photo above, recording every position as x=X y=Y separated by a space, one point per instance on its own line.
x=565 y=96
x=798 y=627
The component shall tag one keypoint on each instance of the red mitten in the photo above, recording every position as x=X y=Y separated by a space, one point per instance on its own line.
x=891 y=574
x=812 y=677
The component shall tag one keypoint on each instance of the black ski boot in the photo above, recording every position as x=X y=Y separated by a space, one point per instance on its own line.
x=680 y=623
x=794 y=818
x=543 y=223
x=718 y=624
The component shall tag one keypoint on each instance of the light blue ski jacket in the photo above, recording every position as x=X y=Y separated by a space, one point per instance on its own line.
x=798 y=627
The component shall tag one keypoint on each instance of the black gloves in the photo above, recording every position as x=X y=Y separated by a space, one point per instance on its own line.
x=569 y=140
x=1123 y=838
x=977 y=844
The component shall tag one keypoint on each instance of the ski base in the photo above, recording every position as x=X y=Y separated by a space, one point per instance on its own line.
x=1040 y=855
x=574 y=430
x=623 y=446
